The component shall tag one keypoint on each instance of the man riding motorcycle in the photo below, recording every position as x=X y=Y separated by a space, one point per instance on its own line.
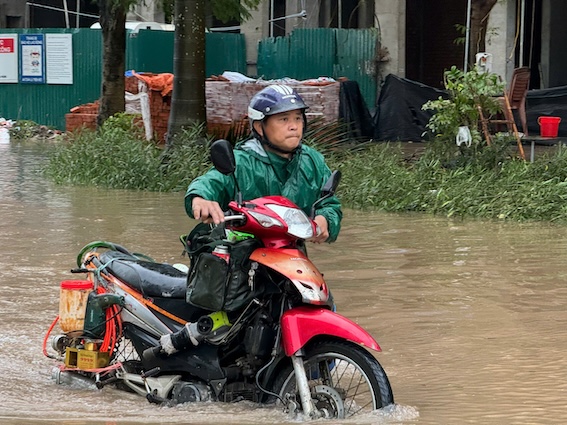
x=272 y=162
x=253 y=322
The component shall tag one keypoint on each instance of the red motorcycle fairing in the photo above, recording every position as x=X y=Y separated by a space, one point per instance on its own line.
x=300 y=324
x=295 y=265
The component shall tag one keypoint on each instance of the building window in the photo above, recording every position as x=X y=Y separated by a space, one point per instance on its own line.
x=277 y=18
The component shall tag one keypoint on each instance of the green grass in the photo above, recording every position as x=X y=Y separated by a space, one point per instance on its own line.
x=118 y=157
x=376 y=176
x=379 y=178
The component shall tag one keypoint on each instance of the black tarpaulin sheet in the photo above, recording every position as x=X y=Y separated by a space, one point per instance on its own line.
x=550 y=102
x=353 y=110
x=398 y=114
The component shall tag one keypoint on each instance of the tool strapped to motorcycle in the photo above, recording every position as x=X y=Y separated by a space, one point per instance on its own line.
x=213 y=283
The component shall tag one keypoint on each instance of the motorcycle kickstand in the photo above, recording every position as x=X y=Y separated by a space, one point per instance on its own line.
x=151 y=396
x=303 y=386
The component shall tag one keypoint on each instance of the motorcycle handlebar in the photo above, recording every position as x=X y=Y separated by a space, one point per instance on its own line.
x=230 y=217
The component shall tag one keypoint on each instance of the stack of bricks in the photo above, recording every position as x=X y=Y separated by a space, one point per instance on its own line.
x=83 y=116
x=159 y=109
x=226 y=105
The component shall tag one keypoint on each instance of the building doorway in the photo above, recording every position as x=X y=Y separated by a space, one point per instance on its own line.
x=431 y=39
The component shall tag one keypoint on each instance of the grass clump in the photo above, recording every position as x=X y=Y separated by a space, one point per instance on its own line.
x=380 y=178
x=491 y=184
x=118 y=157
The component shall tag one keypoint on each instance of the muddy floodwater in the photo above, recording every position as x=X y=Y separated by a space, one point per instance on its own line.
x=471 y=315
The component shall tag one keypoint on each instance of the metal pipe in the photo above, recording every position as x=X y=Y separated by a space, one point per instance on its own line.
x=467 y=35
x=89 y=15
x=66 y=9
x=272 y=20
x=522 y=29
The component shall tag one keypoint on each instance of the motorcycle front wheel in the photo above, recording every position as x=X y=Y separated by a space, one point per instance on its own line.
x=345 y=380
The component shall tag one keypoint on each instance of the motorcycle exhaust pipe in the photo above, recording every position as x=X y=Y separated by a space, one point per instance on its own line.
x=188 y=336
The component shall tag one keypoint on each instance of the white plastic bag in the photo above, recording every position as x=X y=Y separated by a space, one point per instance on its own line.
x=464 y=136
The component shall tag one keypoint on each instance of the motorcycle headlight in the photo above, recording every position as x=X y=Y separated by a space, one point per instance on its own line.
x=265 y=220
x=298 y=224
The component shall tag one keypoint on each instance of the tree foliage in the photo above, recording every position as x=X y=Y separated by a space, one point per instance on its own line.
x=469 y=93
x=224 y=10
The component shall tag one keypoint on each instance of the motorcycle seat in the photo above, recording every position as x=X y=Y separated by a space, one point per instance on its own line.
x=149 y=278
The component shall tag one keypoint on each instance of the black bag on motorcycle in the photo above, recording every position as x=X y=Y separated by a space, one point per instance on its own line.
x=213 y=284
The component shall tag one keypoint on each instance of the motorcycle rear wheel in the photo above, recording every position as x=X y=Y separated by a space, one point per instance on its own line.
x=349 y=371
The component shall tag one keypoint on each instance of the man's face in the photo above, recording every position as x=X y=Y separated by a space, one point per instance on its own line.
x=284 y=130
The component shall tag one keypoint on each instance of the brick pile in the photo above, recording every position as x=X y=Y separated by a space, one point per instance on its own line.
x=84 y=116
x=226 y=105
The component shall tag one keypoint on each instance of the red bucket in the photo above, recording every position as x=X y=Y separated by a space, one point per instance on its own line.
x=549 y=126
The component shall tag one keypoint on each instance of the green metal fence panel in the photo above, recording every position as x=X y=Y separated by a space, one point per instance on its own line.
x=318 y=52
x=152 y=51
x=225 y=52
x=273 y=58
x=312 y=53
x=148 y=51
x=356 y=52
x=48 y=103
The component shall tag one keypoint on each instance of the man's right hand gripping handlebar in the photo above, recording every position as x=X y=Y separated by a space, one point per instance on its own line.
x=207 y=211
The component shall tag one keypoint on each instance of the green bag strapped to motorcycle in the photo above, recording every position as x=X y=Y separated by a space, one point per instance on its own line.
x=213 y=283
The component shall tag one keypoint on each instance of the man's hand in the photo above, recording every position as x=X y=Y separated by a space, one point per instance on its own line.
x=323 y=228
x=207 y=211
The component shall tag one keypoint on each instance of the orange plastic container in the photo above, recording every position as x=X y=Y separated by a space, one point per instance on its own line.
x=549 y=126
x=73 y=304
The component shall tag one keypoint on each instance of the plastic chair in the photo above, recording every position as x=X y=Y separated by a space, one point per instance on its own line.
x=517 y=94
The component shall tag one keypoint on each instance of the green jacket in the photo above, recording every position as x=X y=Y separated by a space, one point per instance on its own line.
x=260 y=173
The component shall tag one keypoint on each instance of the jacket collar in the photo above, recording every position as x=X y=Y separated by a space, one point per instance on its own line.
x=255 y=147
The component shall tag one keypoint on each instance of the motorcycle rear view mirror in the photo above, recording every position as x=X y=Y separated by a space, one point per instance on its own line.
x=332 y=184
x=222 y=156
x=328 y=189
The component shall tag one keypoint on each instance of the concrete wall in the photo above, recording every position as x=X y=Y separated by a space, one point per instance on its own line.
x=147 y=11
x=501 y=38
x=390 y=18
x=255 y=29
x=12 y=12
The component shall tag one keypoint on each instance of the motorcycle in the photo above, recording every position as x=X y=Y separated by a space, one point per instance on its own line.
x=251 y=318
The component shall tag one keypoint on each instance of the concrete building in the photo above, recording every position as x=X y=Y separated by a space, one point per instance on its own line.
x=47 y=13
x=418 y=36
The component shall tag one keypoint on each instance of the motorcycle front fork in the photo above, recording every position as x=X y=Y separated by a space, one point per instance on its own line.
x=303 y=386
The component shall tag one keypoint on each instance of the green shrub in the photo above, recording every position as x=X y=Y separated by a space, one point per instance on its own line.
x=468 y=92
x=118 y=156
x=376 y=176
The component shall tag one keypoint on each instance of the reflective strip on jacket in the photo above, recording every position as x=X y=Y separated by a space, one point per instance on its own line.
x=261 y=174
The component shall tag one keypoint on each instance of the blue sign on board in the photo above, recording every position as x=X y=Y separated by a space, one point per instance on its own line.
x=32 y=59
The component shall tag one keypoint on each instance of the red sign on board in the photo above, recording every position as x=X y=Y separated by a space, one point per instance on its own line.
x=6 y=45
